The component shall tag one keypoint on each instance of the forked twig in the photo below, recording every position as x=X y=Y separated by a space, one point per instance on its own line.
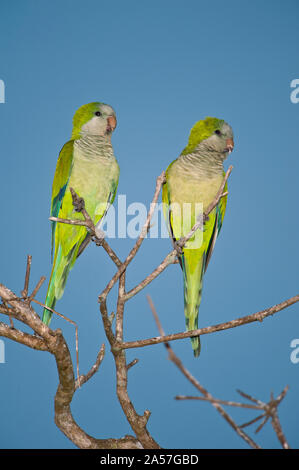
x=84 y=378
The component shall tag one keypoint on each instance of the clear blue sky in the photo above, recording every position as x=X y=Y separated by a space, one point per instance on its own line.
x=162 y=65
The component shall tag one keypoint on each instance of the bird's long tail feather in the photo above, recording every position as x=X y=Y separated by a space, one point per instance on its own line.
x=193 y=277
x=60 y=270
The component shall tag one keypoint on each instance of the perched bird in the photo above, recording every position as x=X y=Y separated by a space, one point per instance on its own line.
x=192 y=183
x=86 y=164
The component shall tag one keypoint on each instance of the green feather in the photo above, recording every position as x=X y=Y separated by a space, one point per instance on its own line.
x=82 y=116
x=201 y=131
x=61 y=178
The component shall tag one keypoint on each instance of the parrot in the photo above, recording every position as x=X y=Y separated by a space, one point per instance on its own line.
x=192 y=182
x=87 y=164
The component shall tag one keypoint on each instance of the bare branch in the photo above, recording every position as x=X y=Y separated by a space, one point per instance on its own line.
x=258 y=316
x=132 y=363
x=82 y=379
x=31 y=341
x=221 y=402
x=27 y=276
x=37 y=288
x=169 y=259
x=80 y=222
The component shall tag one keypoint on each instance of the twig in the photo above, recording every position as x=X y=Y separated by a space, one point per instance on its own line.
x=244 y=425
x=36 y=289
x=27 y=276
x=83 y=223
x=84 y=378
x=132 y=363
x=221 y=402
x=258 y=316
x=169 y=259
x=249 y=397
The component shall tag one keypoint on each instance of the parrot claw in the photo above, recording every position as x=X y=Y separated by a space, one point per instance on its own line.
x=178 y=248
x=79 y=205
x=78 y=202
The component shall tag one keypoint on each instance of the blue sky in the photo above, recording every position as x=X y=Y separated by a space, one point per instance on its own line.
x=162 y=65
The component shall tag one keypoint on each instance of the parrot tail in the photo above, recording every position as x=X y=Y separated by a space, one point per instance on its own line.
x=60 y=270
x=193 y=276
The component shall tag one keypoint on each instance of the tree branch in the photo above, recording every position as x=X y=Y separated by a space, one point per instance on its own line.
x=258 y=316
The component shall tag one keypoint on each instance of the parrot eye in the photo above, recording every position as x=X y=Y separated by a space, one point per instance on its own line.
x=98 y=113
x=217 y=131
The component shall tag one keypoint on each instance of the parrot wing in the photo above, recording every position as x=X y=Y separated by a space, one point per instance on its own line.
x=220 y=212
x=61 y=178
x=174 y=227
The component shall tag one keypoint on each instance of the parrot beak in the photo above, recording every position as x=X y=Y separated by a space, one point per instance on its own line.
x=111 y=124
x=229 y=145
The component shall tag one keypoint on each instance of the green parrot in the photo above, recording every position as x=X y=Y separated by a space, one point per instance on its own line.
x=87 y=164
x=192 y=183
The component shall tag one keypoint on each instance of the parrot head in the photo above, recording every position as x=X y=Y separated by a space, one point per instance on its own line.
x=213 y=134
x=94 y=119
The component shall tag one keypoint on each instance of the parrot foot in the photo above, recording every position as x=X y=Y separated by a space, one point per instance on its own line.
x=99 y=236
x=178 y=248
x=79 y=205
x=78 y=202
